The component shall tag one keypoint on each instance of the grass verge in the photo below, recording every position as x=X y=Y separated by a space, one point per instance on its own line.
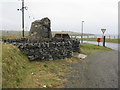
x=89 y=49
x=18 y=72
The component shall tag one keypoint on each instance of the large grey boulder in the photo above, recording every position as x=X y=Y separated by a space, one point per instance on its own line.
x=40 y=29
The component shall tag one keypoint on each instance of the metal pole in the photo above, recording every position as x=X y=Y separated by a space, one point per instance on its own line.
x=23 y=18
x=82 y=32
x=104 y=41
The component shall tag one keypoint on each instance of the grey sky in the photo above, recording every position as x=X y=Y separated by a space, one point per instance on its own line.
x=65 y=15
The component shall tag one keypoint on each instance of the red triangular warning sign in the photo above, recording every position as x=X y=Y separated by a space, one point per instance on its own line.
x=103 y=30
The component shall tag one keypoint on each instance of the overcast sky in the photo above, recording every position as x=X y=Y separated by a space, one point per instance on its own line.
x=65 y=15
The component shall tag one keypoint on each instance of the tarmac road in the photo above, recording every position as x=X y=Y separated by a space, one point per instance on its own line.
x=114 y=46
x=98 y=71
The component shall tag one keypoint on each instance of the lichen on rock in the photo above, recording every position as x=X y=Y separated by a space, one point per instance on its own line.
x=40 y=29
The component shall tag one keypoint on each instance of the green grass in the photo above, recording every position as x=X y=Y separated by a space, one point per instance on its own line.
x=107 y=40
x=14 y=65
x=89 y=49
x=18 y=72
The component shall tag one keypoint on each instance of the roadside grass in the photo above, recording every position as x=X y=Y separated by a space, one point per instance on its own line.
x=14 y=65
x=89 y=49
x=19 y=72
x=107 y=40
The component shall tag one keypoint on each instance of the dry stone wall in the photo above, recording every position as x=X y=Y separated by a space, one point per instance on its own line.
x=41 y=46
x=47 y=50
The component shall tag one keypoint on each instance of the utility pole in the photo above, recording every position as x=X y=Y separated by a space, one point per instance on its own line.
x=82 y=32
x=22 y=9
x=23 y=17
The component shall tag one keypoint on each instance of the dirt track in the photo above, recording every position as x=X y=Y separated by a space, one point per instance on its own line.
x=97 y=71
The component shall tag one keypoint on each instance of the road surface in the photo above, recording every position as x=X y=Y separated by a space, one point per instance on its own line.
x=98 y=71
x=114 y=46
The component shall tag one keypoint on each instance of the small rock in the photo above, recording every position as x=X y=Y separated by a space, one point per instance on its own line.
x=32 y=73
x=44 y=86
x=82 y=56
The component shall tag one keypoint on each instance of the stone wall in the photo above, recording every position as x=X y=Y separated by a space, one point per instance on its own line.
x=41 y=46
x=47 y=50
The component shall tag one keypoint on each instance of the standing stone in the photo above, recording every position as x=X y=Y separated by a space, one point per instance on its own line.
x=40 y=29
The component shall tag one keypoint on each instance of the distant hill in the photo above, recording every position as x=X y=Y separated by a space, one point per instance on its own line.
x=53 y=33
x=71 y=33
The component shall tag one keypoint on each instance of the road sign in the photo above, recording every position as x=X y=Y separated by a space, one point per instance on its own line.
x=103 y=30
x=98 y=39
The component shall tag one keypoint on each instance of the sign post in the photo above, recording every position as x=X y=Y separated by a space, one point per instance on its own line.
x=104 y=41
x=103 y=31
